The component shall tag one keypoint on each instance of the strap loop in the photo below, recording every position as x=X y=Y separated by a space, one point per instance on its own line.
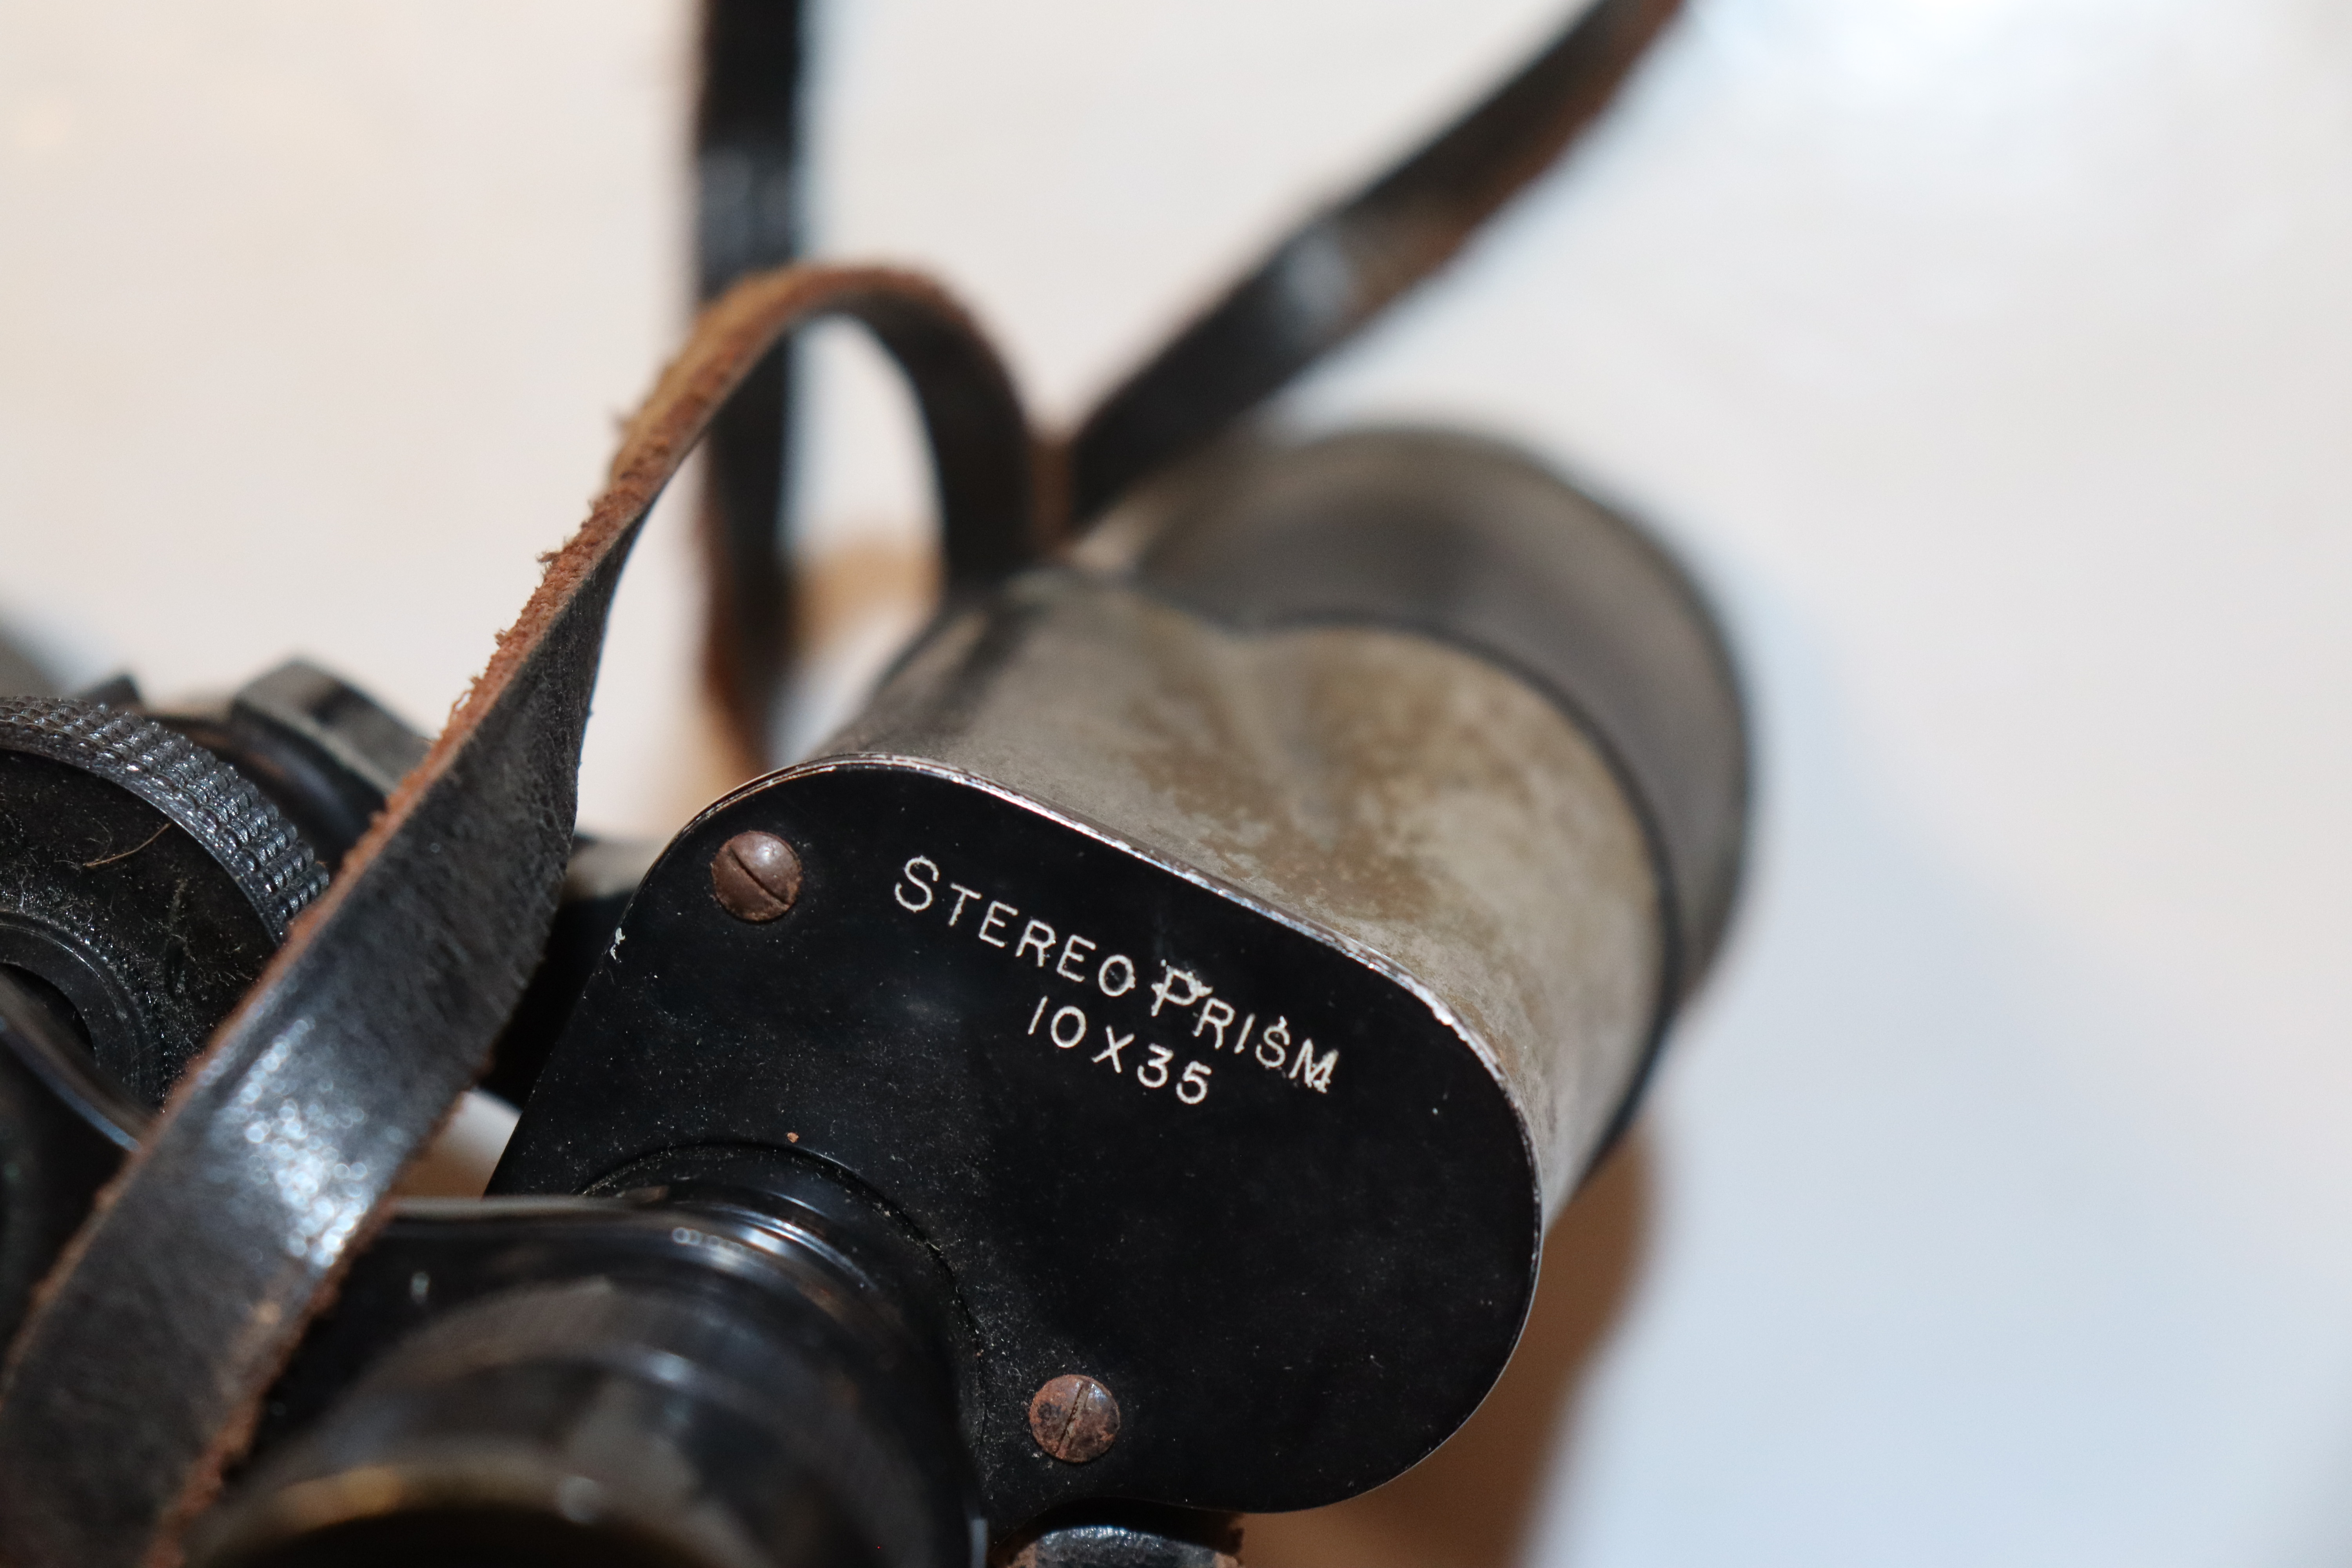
x=138 y=1376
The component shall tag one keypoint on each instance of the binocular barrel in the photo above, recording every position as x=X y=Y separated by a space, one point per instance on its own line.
x=1133 y=1064
x=745 y=1372
x=1226 y=948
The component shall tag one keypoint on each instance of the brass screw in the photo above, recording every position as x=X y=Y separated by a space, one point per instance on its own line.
x=1074 y=1419
x=756 y=876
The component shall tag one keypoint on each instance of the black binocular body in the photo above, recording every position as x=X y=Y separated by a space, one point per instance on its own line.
x=1121 y=1081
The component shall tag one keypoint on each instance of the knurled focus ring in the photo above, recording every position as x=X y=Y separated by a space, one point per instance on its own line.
x=203 y=796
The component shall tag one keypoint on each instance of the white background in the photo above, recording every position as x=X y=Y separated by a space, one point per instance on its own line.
x=1991 y=359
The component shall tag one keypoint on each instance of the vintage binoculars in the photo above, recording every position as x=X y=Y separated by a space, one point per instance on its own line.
x=1122 y=1081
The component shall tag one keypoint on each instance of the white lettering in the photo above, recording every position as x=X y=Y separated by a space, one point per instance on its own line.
x=1127 y=976
x=1217 y=1022
x=1316 y=1075
x=930 y=890
x=1040 y=935
x=1274 y=1045
x=1163 y=991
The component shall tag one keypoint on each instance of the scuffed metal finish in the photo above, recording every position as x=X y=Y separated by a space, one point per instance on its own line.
x=1485 y=548
x=1409 y=798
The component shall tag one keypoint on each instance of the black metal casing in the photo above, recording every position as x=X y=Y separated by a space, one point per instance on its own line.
x=1290 y=1262
x=1261 y=1138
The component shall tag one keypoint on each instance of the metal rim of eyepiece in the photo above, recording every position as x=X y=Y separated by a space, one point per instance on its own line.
x=755 y=876
x=1075 y=1418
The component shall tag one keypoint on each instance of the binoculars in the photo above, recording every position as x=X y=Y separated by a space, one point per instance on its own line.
x=1121 y=1081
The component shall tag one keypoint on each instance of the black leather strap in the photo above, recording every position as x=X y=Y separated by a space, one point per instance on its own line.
x=1312 y=291
x=1325 y=280
x=748 y=218
x=138 y=1375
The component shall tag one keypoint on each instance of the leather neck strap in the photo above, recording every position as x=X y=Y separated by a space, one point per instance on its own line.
x=1323 y=281
x=139 y=1374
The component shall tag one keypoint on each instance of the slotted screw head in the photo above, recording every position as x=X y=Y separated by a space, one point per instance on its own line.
x=1074 y=1419
x=755 y=876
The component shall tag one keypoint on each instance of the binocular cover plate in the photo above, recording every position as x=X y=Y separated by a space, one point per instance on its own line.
x=1253 y=1180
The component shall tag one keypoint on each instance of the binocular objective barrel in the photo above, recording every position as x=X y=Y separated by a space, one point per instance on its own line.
x=702 y=1374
